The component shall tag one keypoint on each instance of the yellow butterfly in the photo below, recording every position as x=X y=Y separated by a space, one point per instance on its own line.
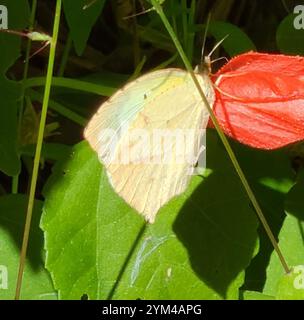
x=131 y=133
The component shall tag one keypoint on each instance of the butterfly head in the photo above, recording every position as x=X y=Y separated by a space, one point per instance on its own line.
x=205 y=66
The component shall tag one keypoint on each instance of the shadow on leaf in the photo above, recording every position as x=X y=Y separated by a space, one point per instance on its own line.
x=12 y=220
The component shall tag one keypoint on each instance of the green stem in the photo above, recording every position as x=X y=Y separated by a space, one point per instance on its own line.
x=136 y=47
x=15 y=182
x=174 y=24
x=191 y=32
x=166 y=63
x=59 y=108
x=71 y=84
x=223 y=137
x=65 y=55
x=185 y=23
x=38 y=149
x=138 y=69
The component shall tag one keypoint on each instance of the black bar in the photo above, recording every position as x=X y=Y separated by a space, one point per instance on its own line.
x=208 y=310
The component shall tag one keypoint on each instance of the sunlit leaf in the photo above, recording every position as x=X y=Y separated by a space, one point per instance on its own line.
x=36 y=280
x=198 y=247
x=291 y=244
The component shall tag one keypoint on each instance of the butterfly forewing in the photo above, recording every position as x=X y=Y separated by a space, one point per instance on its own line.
x=148 y=136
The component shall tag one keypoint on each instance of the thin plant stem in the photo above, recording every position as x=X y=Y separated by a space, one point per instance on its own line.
x=15 y=182
x=65 y=56
x=138 y=69
x=222 y=136
x=136 y=47
x=71 y=84
x=59 y=108
x=174 y=24
x=38 y=149
x=185 y=23
x=191 y=32
x=27 y=55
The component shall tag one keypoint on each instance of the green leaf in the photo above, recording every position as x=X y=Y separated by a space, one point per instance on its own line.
x=237 y=41
x=50 y=151
x=291 y=285
x=10 y=91
x=254 y=295
x=97 y=245
x=290 y=240
x=289 y=39
x=18 y=17
x=9 y=158
x=81 y=20
x=36 y=280
x=156 y=37
x=270 y=176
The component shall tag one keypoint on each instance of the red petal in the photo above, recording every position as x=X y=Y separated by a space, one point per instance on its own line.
x=260 y=99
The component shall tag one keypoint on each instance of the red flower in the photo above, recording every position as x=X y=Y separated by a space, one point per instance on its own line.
x=260 y=99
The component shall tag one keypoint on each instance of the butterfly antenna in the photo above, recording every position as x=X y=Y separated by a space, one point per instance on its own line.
x=217 y=45
x=205 y=38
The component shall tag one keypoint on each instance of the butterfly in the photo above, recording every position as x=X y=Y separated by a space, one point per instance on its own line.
x=144 y=174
